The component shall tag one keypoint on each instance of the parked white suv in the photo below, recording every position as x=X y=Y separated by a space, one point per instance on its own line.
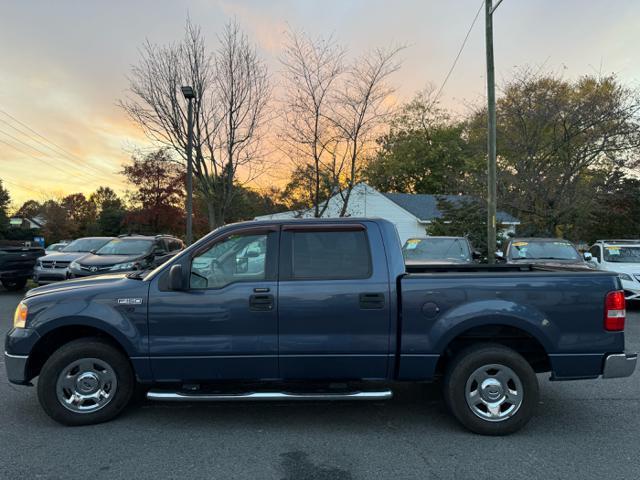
x=621 y=256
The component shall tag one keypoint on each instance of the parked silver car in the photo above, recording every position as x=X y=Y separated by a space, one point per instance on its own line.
x=55 y=267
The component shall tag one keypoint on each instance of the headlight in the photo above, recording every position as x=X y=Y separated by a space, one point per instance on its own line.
x=20 y=317
x=75 y=265
x=123 y=266
x=624 y=276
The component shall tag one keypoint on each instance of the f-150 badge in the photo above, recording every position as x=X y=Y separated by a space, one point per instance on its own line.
x=130 y=301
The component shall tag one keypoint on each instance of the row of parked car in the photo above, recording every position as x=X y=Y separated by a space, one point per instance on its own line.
x=620 y=256
x=84 y=257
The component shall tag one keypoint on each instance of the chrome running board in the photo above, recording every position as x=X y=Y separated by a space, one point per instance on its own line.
x=168 y=396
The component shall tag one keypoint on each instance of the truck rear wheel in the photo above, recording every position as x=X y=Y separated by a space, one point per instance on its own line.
x=14 y=285
x=84 y=382
x=491 y=389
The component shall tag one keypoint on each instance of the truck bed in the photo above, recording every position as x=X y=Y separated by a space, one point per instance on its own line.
x=558 y=310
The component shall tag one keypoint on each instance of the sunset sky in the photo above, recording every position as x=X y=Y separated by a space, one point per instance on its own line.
x=64 y=63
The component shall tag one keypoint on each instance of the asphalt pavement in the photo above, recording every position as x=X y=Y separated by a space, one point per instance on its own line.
x=582 y=430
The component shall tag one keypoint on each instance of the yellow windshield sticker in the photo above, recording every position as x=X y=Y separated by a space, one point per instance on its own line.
x=520 y=244
x=412 y=243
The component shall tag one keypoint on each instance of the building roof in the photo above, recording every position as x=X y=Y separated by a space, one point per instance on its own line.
x=425 y=207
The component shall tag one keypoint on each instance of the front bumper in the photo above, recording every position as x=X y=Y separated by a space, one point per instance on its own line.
x=48 y=275
x=619 y=365
x=16 y=367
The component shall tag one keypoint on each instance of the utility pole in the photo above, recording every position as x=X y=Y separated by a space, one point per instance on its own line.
x=189 y=95
x=491 y=133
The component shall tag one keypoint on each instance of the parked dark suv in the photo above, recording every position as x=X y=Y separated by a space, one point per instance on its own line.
x=127 y=253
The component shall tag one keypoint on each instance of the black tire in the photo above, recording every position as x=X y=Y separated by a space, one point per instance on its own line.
x=472 y=359
x=85 y=348
x=14 y=285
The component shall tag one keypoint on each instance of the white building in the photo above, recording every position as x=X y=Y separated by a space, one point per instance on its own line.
x=411 y=213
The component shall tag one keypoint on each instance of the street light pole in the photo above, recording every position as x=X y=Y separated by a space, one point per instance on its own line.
x=491 y=133
x=189 y=95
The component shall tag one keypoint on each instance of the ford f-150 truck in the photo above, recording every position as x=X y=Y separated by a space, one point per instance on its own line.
x=303 y=309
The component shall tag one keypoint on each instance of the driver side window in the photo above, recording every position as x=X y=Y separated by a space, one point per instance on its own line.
x=239 y=258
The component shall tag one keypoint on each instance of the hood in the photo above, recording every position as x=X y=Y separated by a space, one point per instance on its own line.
x=628 y=268
x=64 y=256
x=103 y=260
x=78 y=283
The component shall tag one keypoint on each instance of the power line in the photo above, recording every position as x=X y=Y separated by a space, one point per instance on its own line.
x=57 y=153
x=464 y=43
x=21 y=186
x=58 y=149
x=34 y=157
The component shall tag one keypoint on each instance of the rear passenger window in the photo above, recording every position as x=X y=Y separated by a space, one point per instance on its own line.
x=330 y=255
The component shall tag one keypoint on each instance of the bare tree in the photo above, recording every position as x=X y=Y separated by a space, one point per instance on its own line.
x=311 y=70
x=232 y=91
x=362 y=106
x=332 y=112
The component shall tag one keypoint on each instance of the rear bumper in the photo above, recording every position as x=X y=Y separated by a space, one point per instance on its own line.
x=619 y=365
x=16 y=367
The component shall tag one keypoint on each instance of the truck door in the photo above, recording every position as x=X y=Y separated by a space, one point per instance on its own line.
x=225 y=324
x=333 y=302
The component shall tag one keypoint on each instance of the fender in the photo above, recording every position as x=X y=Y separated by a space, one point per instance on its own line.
x=126 y=324
x=493 y=312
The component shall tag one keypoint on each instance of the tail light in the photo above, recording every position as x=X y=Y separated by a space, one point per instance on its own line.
x=614 y=311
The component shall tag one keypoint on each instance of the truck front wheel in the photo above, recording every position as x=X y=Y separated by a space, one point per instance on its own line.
x=86 y=381
x=491 y=389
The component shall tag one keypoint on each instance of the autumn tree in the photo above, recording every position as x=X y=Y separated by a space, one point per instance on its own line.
x=232 y=90
x=158 y=194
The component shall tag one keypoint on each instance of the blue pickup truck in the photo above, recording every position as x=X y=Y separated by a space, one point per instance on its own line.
x=307 y=310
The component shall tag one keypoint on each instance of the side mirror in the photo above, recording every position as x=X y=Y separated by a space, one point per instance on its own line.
x=500 y=255
x=476 y=254
x=176 y=279
x=587 y=257
x=93 y=252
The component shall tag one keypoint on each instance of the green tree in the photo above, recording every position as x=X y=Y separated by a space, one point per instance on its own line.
x=81 y=215
x=111 y=211
x=554 y=137
x=5 y=200
x=29 y=209
x=425 y=151
x=57 y=225
x=466 y=217
x=614 y=211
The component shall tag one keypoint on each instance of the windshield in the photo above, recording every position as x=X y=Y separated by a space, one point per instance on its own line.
x=436 y=249
x=622 y=254
x=85 y=244
x=127 y=246
x=536 y=250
